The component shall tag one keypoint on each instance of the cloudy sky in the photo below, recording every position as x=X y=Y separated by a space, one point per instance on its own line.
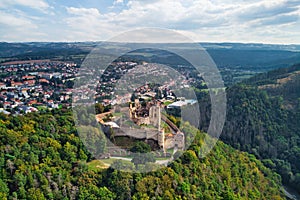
x=260 y=21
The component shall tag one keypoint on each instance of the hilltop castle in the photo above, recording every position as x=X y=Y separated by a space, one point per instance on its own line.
x=150 y=114
x=148 y=117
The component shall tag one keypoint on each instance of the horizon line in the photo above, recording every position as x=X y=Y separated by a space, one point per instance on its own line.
x=198 y=42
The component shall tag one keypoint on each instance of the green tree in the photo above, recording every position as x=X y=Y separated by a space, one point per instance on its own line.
x=139 y=159
x=4 y=190
x=35 y=194
x=140 y=147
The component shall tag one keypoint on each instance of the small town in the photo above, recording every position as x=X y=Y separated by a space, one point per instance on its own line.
x=30 y=86
x=35 y=85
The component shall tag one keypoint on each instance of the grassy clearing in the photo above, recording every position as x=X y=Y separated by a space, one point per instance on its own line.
x=109 y=161
x=97 y=165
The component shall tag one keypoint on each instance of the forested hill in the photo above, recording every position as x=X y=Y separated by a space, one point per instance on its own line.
x=263 y=116
x=41 y=157
x=283 y=82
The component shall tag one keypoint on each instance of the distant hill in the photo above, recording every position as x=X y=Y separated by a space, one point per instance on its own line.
x=253 y=59
x=283 y=82
x=224 y=54
x=35 y=50
x=251 y=46
x=235 y=61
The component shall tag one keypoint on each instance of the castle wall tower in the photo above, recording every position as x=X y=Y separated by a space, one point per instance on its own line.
x=155 y=116
x=179 y=140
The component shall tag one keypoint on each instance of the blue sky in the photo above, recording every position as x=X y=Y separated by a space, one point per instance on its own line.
x=260 y=21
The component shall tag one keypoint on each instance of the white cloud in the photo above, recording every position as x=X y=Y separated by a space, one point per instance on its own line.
x=118 y=2
x=203 y=20
x=162 y=14
x=87 y=24
x=265 y=9
x=84 y=11
x=34 y=4
x=17 y=23
x=12 y=20
x=18 y=28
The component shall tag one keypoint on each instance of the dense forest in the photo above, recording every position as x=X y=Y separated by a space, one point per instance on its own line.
x=263 y=115
x=42 y=157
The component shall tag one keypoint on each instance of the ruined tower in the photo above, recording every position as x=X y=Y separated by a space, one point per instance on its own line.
x=155 y=116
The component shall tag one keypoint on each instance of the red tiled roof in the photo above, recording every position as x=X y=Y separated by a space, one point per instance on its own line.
x=16 y=83
x=28 y=77
x=43 y=81
x=30 y=82
x=32 y=102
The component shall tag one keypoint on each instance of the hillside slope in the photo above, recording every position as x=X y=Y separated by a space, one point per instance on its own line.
x=43 y=158
x=263 y=116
